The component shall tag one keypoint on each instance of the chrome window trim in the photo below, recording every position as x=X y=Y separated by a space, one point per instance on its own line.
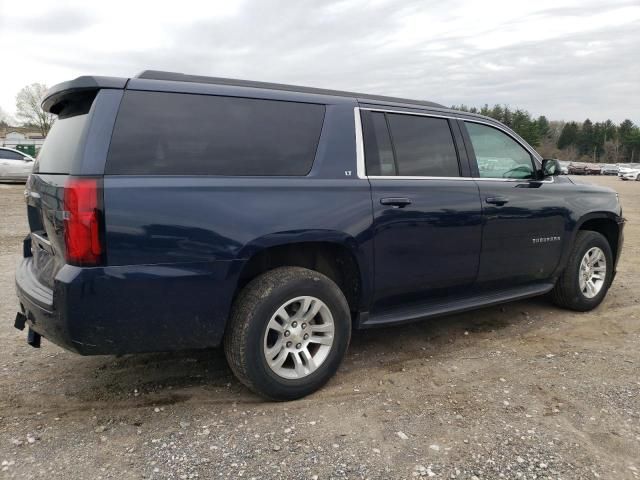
x=360 y=160
x=360 y=167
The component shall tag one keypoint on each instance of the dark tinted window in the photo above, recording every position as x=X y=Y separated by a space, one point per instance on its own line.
x=182 y=134
x=65 y=137
x=378 y=150
x=9 y=155
x=423 y=146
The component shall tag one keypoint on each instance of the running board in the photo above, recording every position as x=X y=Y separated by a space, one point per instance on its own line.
x=420 y=311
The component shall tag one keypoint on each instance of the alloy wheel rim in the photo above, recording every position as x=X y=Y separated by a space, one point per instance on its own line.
x=593 y=271
x=298 y=337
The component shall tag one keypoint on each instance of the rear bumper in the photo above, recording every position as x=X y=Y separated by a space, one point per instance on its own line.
x=130 y=309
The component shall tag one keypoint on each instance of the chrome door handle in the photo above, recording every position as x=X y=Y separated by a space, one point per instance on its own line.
x=497 y=200
x=399 y=202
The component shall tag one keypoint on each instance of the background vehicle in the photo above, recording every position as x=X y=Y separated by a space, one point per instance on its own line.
x=576 y=168
x=628 y=171
x=609 y=169
x=14 y=165
x=564 y=167
x=592 y=169
x=172 y=212
x=630 y=174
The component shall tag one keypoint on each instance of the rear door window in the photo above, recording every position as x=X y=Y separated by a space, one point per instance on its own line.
x=160 y=133
x=409 y=145
x=423 y=146
x=378 y=150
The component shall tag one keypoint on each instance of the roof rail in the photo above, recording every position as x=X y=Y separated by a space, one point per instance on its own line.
x=181 y=77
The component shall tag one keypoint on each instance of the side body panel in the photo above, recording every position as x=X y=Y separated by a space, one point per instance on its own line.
x=180 y=242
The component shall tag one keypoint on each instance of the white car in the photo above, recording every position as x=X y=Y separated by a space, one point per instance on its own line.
x=14 y=165
x=629 y=172
x=630 y=175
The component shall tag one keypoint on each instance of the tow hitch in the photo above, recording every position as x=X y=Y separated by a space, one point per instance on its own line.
x=33 y=338
x=21 y=320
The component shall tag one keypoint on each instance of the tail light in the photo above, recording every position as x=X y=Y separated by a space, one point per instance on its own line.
x=82 y=232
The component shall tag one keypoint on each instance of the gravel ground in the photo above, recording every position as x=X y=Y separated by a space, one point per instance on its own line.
x=524 y=390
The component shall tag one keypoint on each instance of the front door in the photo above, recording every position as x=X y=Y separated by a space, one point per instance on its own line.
x=524 y=216
x=427 y=216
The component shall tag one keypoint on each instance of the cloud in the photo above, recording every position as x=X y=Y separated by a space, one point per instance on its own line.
x=562 y=58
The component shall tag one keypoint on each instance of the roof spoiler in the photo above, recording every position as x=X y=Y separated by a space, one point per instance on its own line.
x=56 y=97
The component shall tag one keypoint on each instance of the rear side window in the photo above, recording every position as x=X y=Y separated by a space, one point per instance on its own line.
x=182 y=134
x=423 y=146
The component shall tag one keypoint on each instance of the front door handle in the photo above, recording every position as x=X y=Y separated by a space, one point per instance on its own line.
x=497 y=200
x=398 y=202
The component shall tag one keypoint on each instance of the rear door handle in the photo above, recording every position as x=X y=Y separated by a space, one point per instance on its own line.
x=497 y=200
x=398 y=202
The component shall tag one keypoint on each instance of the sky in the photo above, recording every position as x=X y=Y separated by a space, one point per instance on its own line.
x=566 y=59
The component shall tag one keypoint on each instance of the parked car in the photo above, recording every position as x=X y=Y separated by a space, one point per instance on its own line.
x=564 y=167
x=576 y=168
x=593 y=169
x=628 y=171
x=171 y=212
x=630 y=174
x=609 y=169
x=14 y=165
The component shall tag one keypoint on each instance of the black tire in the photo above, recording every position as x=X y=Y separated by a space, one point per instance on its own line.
x=252 y=311
x=567 y=292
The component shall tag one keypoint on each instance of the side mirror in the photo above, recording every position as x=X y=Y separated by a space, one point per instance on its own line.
x=550 y=167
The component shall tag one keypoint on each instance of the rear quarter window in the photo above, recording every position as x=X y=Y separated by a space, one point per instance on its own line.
x=63 y=141
x=66 y=137
x=159 y=133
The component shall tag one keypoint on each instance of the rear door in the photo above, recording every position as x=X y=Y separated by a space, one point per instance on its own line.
x=427 y=214
x=524 y=217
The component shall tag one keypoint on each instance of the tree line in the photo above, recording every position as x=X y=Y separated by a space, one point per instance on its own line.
x=600 y=142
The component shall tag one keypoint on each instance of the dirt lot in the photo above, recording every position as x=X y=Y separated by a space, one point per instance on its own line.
x=523 y=391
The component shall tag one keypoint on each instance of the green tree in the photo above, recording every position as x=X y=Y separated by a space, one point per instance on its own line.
x=625 y=135
x=543 y=126
x=586 y=138
x=568 y=136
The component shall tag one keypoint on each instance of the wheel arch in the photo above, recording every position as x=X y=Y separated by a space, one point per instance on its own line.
x=605 y=223
x=333 y=254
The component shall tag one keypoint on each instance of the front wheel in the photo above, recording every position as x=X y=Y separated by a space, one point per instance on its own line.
x=588 y=275
x=288 y=333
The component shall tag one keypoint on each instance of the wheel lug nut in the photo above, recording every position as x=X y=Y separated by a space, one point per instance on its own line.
x=306 y=336
x=287 y=333
x=288 y=344
x=294 y=324
x=304 y=325
x=298 y=345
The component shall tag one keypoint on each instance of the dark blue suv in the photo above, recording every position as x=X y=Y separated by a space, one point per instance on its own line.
x=172 y=212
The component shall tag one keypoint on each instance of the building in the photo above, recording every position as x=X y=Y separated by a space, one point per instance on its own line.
x=25 y=139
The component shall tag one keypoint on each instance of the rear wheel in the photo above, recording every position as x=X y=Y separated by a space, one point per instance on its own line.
x=288 y=333
x=586 y=280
